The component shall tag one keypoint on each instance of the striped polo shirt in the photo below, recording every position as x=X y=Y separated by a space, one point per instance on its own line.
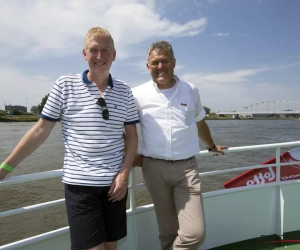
x=94 y=147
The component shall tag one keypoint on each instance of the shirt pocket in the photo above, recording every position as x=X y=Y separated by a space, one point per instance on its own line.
x=188 y=114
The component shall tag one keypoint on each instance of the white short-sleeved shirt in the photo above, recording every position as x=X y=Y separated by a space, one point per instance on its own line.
x=168 y=126
x=94 y=147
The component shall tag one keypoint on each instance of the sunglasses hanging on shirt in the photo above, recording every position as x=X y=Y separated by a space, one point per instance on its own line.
x=101 y=102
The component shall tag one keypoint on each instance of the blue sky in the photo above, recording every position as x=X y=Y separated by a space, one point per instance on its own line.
x=238 y=52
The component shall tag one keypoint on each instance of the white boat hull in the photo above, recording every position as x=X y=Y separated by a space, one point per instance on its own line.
x=230 y=217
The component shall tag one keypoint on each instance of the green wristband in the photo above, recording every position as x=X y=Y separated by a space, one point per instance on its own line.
x=6 y=167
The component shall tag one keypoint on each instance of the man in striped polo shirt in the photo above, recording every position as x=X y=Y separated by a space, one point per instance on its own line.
x=171 y=116
x=95 y=110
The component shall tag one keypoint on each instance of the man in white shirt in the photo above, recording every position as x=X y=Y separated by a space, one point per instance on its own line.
x=171 y=119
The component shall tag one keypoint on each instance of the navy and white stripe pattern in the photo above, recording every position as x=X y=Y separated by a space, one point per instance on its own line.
x=94 y=147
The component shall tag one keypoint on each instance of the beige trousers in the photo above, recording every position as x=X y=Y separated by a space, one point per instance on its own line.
x=175 y=188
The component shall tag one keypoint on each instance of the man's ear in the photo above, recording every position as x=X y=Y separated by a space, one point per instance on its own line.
x=114 y=55
x=84 y=54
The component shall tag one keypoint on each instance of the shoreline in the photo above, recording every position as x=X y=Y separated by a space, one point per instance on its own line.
x=251 y=119
x=35 y=118
x=20 y=118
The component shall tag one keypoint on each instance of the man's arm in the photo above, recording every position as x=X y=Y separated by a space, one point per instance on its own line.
x=119 y=185
x=205 y=136
x=28 y=144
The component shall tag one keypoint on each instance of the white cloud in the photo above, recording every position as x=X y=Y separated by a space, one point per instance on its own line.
x=232 y=77
x=57 y=28
x=287 y=66
x=212 y=1
x=231 y=96
x=223 y=91
x=221 y=34
x=37 y=30
x=228 y=77
x=197 y=3
x=236 y=97
x=140 y=65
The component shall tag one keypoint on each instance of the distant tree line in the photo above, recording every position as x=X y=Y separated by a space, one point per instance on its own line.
x=33 y=110
x=42 y=104
x=207 y=110
x=39 y=108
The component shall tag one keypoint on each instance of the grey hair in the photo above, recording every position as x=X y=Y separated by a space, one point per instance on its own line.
x=160 y=46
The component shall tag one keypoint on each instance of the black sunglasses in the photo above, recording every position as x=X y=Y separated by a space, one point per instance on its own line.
x=105 y=114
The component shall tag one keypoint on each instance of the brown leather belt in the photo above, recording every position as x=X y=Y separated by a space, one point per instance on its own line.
x=156 y=159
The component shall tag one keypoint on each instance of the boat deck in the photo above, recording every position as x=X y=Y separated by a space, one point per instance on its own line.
x=291 y=242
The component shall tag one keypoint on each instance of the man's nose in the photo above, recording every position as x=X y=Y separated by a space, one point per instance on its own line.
x=99 y=55
x=160 y=64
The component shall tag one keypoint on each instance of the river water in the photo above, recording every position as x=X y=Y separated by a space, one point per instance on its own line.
x=49 y=156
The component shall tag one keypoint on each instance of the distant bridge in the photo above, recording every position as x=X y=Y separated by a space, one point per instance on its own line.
x=266 y=108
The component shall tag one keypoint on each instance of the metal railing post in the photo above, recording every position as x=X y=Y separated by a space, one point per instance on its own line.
x=278 y=164
x=279 y=200
x=133 y=208
x=132 y=190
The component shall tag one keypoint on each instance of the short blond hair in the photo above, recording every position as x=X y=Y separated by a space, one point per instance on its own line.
x=99 y=32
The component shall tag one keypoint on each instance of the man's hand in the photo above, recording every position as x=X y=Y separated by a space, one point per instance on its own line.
x=3 y=173
x=118 y=187
x=205 y=136
x=138 y=161
x=219 y=149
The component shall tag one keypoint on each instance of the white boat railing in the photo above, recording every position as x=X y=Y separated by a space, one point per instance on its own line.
x=133 y=209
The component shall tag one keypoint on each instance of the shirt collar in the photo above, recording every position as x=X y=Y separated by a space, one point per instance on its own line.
x=87 y=81
x=176 y=79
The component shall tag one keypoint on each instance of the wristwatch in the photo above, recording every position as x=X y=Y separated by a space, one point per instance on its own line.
x=212 y=148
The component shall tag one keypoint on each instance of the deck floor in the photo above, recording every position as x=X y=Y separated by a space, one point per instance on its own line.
x=265 y=243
